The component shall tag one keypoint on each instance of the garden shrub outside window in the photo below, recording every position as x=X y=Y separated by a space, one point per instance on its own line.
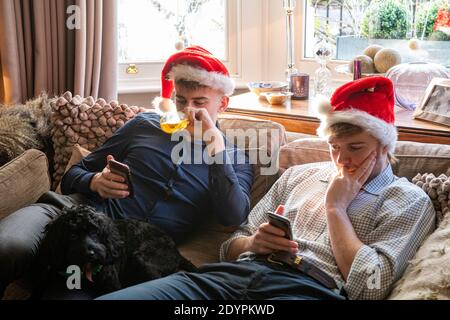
x=352 y=25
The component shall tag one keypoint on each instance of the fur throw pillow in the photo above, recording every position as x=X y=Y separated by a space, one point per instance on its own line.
x=24 y=127
x=427 y=276
x=438 y=189
x=86 y=122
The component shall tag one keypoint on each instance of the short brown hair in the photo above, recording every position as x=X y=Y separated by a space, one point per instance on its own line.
x=189 y=84
x=344 y=129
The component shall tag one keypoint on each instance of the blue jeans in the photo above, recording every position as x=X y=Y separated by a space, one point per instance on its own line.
x=243 y=280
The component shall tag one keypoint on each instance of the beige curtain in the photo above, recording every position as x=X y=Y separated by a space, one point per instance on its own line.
x=41 y=48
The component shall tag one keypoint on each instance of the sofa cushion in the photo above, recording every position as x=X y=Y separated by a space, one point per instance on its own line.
x=427 y=276
x=86 y=122
x=23 y=181
x=260 y=139
x=438 y=189
x=413 y=157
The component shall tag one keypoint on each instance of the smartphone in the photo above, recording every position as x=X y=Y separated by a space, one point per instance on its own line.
x=282 y=223
x=122 y=170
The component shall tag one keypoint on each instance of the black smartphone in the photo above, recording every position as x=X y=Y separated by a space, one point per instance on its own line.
x=282 y=223
x=122 y=170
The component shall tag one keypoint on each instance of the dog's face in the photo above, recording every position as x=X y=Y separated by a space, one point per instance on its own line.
x=84 y=238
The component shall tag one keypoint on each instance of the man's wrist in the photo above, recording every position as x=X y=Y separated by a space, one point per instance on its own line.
x=336 y=211
x=237 y=247
x=93 y=184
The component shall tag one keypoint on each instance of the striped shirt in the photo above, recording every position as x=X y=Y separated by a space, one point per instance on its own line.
x=390 y=215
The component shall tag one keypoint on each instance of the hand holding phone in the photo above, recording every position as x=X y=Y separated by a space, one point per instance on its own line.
x=281 y=222
x=122 y=170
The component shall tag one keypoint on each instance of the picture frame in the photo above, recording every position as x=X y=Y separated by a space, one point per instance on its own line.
x=435 y=105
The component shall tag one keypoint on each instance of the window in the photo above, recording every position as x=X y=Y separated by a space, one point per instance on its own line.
x=149 y=30
x=352 y=25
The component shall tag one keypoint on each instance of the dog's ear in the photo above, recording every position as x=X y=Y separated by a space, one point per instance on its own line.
x=110 y=237
x=51 y=253
x=54 y=244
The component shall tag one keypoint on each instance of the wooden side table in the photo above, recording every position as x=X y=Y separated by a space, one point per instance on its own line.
x=297 y=116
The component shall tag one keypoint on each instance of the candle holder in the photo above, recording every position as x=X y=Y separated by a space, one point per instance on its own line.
x=289 y=6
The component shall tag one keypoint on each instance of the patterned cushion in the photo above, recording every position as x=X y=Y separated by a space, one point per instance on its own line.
x=86 y=122
x=438 y=189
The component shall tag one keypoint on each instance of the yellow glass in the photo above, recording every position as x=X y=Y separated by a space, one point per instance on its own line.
x=172 y=122
x=171 y=128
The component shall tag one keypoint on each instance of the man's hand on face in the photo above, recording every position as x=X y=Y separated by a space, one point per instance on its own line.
x=199 y=115
x=209 y=132
x=345 y=185
x=269 y=239
x=109 y=185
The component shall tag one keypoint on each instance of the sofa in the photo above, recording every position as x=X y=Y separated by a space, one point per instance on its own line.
x=27 y=177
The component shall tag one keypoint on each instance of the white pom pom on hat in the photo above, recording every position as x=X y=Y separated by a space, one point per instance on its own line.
x=323 y=105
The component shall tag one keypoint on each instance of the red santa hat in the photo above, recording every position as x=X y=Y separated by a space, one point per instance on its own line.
x=367 y=103
x=192 y=64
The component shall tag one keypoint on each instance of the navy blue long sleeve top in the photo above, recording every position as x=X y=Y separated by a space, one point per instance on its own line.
x=174 y=196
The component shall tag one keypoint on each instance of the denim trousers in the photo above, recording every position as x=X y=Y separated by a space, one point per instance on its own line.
x=240 y=280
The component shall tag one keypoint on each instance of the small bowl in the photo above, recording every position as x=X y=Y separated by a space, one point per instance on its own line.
x=277 y=97
x=266 y=86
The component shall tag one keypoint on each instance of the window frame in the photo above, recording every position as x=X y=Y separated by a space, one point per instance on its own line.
x=256 y=35
x=148 y=77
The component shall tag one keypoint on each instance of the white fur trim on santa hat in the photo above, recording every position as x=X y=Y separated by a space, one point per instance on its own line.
x=384 y=132
x=214 y=80
x=163 y=105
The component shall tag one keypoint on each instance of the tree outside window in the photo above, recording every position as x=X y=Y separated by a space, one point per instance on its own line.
x=352 y=25
x=152 y=30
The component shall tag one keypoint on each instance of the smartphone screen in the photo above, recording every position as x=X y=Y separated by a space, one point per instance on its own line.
x=282 y=223
x=122 y=170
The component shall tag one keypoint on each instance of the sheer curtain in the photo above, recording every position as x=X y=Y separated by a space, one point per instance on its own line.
x=57 y=45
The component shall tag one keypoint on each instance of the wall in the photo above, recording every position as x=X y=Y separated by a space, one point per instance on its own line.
x=145 y=99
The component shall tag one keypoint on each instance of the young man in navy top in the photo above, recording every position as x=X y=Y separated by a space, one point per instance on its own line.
x=175 y=195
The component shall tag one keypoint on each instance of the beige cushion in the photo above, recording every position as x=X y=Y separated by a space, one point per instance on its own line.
x=258 y=132
x=86 y=122
x=78 y=153
x=413 y=157
x=428 y=274
x=23 y=181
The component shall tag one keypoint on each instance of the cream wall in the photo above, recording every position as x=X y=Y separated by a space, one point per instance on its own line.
x=145 y=99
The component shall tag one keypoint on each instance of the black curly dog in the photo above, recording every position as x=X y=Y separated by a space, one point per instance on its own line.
x=112 y=254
